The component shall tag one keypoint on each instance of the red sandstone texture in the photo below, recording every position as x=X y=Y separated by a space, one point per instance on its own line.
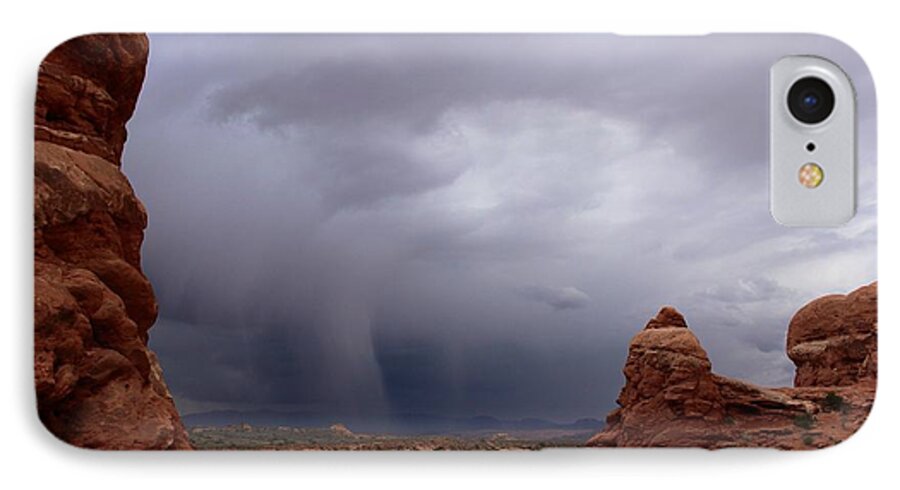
x=671 y=396
x=98 y=385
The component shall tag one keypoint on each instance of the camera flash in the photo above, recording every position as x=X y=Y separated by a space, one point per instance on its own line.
x=811 y=175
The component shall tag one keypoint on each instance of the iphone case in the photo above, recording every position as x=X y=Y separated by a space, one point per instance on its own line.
x=438 y=242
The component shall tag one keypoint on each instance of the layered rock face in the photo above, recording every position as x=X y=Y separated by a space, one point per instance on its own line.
x=832 y=340
x=672 y=398
x=98 y=385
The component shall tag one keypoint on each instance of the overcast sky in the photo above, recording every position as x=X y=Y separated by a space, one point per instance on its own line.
x=468 y=225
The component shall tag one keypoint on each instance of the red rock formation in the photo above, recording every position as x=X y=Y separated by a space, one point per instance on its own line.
x=98 y=385
x=671 y=396
x=833 y=339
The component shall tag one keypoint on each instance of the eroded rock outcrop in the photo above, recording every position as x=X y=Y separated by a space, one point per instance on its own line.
x=671 y=396
x=832 y=340
x=98 y=385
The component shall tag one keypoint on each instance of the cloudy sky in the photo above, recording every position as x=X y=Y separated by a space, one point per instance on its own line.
x=468 y=225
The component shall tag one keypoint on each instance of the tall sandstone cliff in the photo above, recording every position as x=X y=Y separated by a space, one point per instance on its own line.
x=671 y=396
x=98 y=385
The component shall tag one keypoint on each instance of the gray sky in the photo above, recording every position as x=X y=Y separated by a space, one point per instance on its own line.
x=468 y=225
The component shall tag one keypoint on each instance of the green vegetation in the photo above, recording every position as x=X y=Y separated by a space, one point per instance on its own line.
x=804 y=421
x=834 y=403
x=808 y=440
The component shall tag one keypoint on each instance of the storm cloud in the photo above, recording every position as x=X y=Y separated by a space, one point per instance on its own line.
x=558 y=298
x=468 y=225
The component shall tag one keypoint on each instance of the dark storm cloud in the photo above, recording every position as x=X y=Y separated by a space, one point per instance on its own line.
x=467 y=225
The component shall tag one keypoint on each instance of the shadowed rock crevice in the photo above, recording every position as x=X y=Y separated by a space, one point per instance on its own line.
x=98 y=385
x=671 y=396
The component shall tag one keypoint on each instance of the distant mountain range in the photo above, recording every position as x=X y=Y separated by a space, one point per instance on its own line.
x=400 y=424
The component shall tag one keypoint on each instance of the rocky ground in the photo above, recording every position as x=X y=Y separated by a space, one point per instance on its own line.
x=338 y=437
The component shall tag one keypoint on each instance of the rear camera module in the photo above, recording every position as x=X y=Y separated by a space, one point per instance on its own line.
x=810 y=100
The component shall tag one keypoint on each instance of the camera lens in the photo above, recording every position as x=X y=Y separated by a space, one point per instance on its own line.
x=811 y=100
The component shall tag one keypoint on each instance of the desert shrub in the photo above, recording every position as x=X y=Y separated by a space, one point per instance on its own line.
x=833 y=402
x=804 y=421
